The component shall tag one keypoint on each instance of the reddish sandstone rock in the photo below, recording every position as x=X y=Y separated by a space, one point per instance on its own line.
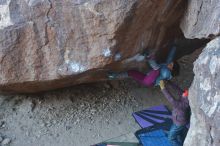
x=49 y=44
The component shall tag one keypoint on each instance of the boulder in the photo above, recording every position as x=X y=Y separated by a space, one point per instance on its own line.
x=204 y=96
x=50 y=44
x=201 y=19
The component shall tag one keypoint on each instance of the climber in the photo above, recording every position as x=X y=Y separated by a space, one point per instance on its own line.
x=159 y=71
x=180 y=114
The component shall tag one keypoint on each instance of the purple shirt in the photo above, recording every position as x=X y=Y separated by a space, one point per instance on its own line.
x=181 y=109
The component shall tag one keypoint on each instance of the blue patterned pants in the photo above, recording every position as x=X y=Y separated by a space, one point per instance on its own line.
x=177 y=135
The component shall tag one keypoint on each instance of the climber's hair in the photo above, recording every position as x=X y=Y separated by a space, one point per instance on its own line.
x=176 y=69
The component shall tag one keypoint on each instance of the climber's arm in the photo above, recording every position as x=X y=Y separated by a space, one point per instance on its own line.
x=171 y=55
x=166 y=93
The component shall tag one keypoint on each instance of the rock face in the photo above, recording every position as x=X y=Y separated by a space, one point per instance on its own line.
x=205 y=98
x=201 y=19
x=49 y=44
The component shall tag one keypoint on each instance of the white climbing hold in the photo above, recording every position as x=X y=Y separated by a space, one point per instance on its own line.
x=107 y=52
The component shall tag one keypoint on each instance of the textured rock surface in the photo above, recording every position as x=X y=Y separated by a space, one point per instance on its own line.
x=48 y=44
x=202 y=19
x=205 y=98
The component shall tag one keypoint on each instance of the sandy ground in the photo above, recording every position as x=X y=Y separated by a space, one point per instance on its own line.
x=80 y=115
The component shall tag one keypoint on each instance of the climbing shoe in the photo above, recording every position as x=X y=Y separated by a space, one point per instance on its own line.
x=114 y=75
